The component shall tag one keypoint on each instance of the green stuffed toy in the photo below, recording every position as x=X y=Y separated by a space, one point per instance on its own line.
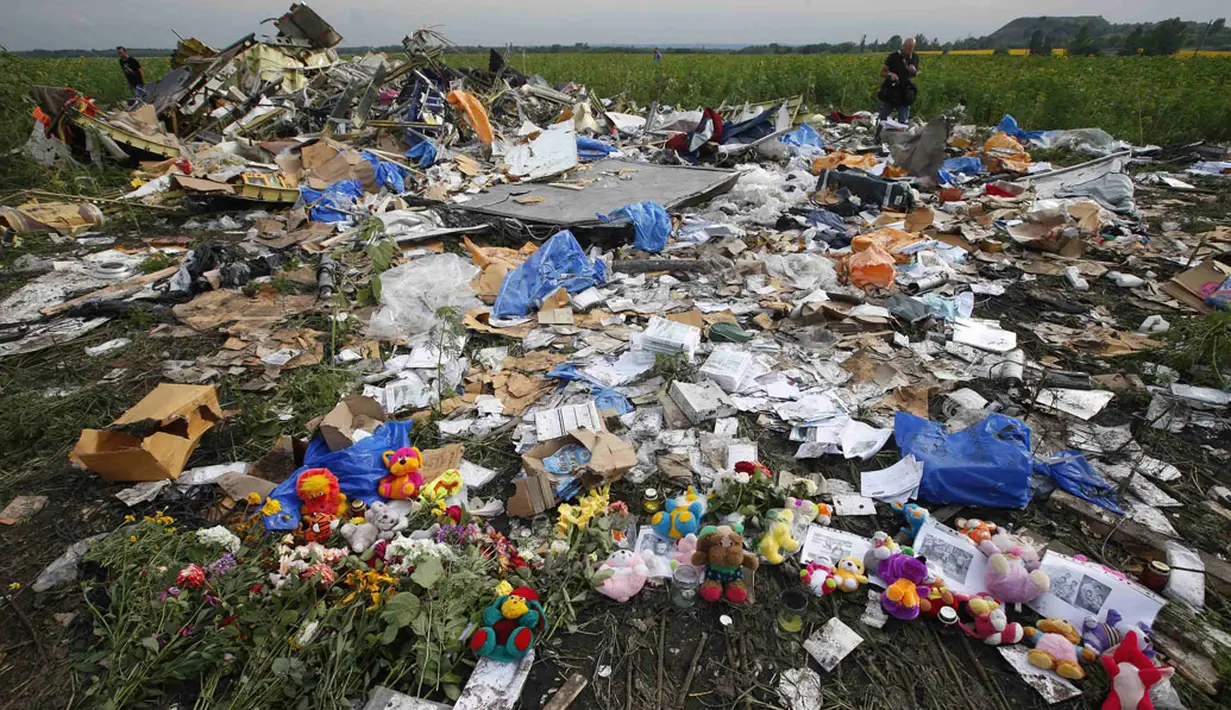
x=510 y=625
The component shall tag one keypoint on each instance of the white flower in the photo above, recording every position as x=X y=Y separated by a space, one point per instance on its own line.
x=412 y=552
x=220 y=537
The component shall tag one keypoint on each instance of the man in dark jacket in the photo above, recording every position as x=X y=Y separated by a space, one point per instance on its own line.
x=133 y=73
x=898 y=89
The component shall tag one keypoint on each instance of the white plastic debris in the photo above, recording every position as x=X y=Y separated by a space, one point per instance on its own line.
x=831 y=643
x=1073 y=276
x=64 y=569
x=109 y=346
x=1153 y=324
x=1125 y=280
x=800 y=689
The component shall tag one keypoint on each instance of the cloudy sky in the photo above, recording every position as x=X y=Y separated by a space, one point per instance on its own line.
x=61 y=24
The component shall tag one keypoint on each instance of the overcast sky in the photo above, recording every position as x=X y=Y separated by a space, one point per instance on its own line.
x=64 y=24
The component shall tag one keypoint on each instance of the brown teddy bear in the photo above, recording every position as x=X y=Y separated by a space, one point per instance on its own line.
x=721 y=550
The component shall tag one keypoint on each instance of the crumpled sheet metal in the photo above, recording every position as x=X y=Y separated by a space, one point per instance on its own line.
x=60 y=217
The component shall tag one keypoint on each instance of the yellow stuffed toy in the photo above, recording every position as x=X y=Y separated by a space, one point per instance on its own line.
x=443 y=486
x=777 y=536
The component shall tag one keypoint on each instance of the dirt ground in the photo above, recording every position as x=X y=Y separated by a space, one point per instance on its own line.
x=636 y=655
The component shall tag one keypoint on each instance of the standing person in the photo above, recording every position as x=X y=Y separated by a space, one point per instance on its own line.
x=658 y=56
x=898 y=89
x=133 y=73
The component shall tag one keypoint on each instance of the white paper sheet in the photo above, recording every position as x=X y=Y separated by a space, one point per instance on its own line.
x=853 y=504
x=1082 y=404
x=1081 y=589
x=894 y=484
x=862 y=441
x=953 y=556
x=834 y=544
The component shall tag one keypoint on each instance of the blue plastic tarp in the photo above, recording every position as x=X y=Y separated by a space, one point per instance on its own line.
x=1008 y=125
x=651 y=224
x=591 y=149
x=967 y=165
x=559 y=263
x=388 y=175
x=424 y=152
x=989 y=464
x=804 y=135
x=328 y=205
x=359 y=468
x=751 y=130
x=1073 y=473
x=605 y=398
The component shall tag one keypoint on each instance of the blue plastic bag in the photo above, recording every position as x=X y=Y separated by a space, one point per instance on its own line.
x=359 y=468
x=967 y=164
x=988 y=464
x=606 y=398
x=591 y=149
x=1008 y=125
x=424 y=152
x=327 y=205
x=804 y=135
x=388 y=175
x=1073 y=473
x=651 y=224
x=559 y=263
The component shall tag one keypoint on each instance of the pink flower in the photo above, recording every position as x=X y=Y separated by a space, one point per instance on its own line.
x=192 y=576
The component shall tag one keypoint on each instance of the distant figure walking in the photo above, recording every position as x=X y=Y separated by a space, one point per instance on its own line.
x=898 y=89
x=658 y=56
x=133 y=73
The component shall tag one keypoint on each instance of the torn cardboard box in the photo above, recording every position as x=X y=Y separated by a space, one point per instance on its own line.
x=354 y=419
x=153 y=439
x=564 y=467
x=1190 y=287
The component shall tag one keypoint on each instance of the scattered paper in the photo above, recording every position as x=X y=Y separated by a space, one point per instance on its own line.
x=555 y=423
x=832 y=543
x=1081 y=589
x=1082 y=404
x=831 y=643
x=853 y=504
x=897 y=483
x=953 y=556
x=474 y=475
x=862 y=441
x=142 y=492
x=984 y=335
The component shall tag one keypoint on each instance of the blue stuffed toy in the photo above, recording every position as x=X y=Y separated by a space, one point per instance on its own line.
x=681 y=516
x=915 y=515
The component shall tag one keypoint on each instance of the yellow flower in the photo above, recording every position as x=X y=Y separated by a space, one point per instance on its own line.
x=132 y=538
x=504 y=588
x=15 y=586
x=271 y=507
x=254 y=498
x=129 y=519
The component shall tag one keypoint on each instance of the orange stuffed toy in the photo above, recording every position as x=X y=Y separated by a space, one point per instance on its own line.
x=323 y=503
x=404 y=479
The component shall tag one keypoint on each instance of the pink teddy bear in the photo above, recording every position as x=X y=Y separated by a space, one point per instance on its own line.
x=1013 y=573
x=684 y=549
x=628 y=575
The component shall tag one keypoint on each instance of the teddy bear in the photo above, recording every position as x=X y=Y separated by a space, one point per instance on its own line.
x=777 y=536
x=721 y=550
x=510 y=626
x=1013 y=573
x=319 y=491
x=850 y=574
x=381 y=523
x=404 y=479
x=680 y=516
x=1055 y=648
x=975 y=529
x=906 y=577
x=628 y=575
x=915 y=515
x=1132 y=675
x=1101 y=637
x=992 y=625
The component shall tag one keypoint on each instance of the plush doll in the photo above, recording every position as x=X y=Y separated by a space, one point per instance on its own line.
x=381 y=523
x=685 y=548
x=905 y=576
x=628 y=575
x=1055 y=648
x=404 y=479
x=721 y=550
x=445 y=485
x=977 y=530
x=318 y=489
x=680 y=516
x=938 y=597
x=1013 y=573
x=915 y=515
x=883 y=546
x=1132 y=675
x=850 y=574
x=819 y=576
x=1100 y=637
x=777 y=536
x=807 y=512
x=510 y=625
x=317 y=527
x=992 y=625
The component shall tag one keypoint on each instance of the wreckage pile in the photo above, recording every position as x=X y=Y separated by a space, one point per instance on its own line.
x=692 y=335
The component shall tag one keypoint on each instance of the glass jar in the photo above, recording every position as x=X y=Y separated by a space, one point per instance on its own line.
x=791 y=607
x=651 y=501
x=685 y=582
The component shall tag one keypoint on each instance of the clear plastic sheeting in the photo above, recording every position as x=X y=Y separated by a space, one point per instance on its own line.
x=412 y=294
x=760 y=195
x=806 y=272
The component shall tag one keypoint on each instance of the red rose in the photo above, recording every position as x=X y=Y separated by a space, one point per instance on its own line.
x=192 y=576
